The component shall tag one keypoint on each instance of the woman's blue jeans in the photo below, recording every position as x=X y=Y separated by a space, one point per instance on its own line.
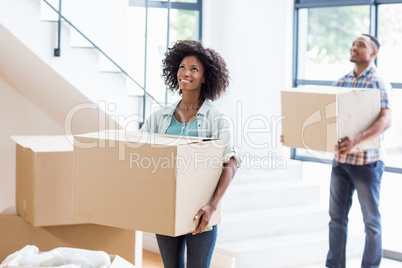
x=199 y=249
x=366 y=180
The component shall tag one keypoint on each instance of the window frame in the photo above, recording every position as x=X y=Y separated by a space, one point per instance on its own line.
x=172 y=5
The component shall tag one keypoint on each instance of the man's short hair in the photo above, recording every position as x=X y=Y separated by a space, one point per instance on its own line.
x=374 y=40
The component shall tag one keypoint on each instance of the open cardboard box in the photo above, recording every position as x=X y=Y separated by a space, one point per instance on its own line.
x=44 y=180
x=316 y=118
x=16 y=232
x=148 y=182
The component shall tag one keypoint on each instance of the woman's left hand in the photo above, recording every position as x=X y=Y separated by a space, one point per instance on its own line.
x=204 y=214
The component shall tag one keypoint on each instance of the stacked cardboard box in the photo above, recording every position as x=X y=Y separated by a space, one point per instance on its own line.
x=44 y=180
x=16 y=232
x=93 y=195
x=45 y=204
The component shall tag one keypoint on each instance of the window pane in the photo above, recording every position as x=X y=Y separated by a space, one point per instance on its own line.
x=157 y=41
x=156 y=47
x=325 y=37
x=183 y=25
x=390 y=37
x=393 y=141
x=135 y=49
x=391 y=199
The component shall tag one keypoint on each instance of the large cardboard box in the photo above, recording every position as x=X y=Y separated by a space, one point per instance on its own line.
x=44 y=180
x=148 y=182
x=16 y=232
x=316 y=118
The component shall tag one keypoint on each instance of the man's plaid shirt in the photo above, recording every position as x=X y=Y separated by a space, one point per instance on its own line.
x=369 y=78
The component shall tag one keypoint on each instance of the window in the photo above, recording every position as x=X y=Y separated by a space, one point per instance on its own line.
x=153 y=26
x=389 y=32
x=325 y=39
x=324 y=31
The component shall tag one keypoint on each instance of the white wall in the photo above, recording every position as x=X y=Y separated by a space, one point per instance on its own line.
x=255 y=38
x=18 y=116
x=38 y=91
x=78 y=66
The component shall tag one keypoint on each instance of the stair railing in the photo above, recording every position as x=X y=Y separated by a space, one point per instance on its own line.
x=57 y=53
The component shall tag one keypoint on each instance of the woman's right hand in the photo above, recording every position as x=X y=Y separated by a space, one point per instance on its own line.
x=204 y=214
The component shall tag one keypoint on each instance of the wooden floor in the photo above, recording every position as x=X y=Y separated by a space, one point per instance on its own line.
x=151 y=260
x=385 y=263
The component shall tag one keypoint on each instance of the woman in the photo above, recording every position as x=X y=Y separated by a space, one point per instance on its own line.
x=200 y=75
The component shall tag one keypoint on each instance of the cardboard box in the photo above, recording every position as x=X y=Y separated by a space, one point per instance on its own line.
x=116 y=262
x=147 y=182
x=16 y=232
x=316 y=118
x=44 y=180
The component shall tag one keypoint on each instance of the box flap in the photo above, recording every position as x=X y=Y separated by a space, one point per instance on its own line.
x=142 y=137
x=51 y=143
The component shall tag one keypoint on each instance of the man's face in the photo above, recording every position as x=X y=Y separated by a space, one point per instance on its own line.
x=362 y=50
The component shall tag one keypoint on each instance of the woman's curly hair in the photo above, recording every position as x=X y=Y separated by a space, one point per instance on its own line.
x=215 y=71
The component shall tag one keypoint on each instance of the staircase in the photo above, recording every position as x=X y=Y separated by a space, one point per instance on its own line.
x=78 y=84
x=276 y=219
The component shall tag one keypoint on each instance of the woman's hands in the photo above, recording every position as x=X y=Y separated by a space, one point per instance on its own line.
x=204 y=214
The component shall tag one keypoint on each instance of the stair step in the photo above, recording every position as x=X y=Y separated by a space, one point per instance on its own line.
x=286 y=251
x=255 y=196
x=245 y=225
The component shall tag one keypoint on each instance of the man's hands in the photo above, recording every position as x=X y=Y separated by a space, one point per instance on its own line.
x=346 y=145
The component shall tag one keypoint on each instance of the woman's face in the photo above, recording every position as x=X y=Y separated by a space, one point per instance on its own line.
x=190 y=74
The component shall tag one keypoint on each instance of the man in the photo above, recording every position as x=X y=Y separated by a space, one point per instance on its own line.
x=360 y=171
